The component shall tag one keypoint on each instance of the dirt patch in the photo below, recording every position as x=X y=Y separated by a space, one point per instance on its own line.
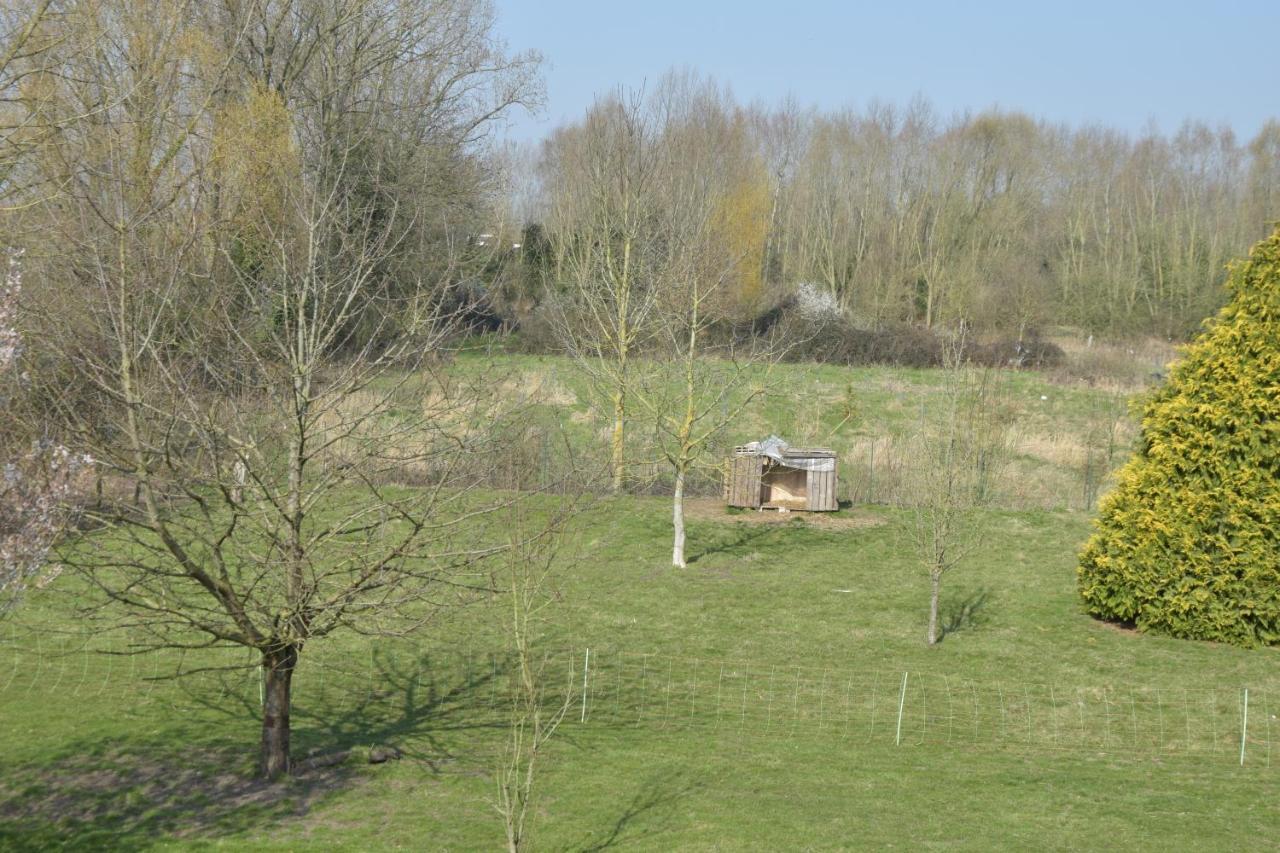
x=1118 y=627
x=711 y=509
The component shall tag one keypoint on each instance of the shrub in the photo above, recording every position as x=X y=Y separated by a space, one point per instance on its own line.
x=812 y=328
x=837 y=341
x=1030 y=351
x=816 y=304
x=1188 y=543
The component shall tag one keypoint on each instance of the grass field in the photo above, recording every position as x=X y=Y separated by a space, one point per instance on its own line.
x=1066 y=435
x=747 y=702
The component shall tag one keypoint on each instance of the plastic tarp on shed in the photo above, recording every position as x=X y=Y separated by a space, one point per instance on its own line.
x=777 y=450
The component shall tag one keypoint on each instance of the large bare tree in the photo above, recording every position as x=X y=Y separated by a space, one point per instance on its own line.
x=285 y=452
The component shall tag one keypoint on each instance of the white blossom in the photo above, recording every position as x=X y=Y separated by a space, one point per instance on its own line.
x=816 y=303
x=10 y=338
x=37 y=490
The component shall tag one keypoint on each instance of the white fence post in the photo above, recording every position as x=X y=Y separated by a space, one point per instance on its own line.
x=902 y=699
x=586 y=662
x=1244 y=725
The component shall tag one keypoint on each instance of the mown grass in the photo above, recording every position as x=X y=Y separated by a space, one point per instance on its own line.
x=95 y=756
x=102 y=752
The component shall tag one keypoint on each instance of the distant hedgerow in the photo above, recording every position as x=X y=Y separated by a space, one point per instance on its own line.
x=1188 y=543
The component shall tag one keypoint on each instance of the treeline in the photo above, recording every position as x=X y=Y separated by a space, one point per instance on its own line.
x=996 y=220
x=209 y=150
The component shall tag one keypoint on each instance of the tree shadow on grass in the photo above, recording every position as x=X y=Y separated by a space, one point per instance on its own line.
x=967 y=613
x=432 y=707
x=738 y=540
x=657 y=796
x=427 y=704
x=129 y=796
x=195 y=779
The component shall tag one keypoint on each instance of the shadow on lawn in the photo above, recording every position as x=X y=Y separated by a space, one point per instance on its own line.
x=195 y=779
x=965 y=613
x=739 y=540
x=430 y=705
x=131 y=796
x=657 y=797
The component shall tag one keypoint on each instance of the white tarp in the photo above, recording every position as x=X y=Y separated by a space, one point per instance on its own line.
x=775 y=448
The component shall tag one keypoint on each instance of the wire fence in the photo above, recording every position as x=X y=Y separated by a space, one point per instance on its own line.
x=608 y=688
x=901 y=707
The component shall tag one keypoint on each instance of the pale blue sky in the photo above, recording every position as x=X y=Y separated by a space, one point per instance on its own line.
x=1120 y=64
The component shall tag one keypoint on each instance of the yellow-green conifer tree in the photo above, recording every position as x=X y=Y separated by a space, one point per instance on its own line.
x=1188 y=543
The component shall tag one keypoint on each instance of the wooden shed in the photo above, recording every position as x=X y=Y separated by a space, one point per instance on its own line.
x=770 y=474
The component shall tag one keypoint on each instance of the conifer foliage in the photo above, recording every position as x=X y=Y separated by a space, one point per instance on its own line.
x=1188 y=543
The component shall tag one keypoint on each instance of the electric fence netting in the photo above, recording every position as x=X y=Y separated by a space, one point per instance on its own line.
x=610 y=688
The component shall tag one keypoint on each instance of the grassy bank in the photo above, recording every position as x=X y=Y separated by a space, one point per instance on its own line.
x=97 y=755
x=1066 y=434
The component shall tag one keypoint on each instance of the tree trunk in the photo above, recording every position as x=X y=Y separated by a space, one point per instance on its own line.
x=623 y=343
x=935 y=581
x=617 y=460
x=677 y=518
x=277 y=673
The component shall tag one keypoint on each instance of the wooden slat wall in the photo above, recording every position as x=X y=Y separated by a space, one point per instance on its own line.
x=752 y=470
x=822 y=491
x=743 y=484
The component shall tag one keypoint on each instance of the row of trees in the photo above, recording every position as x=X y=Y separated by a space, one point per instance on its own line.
x=996 y=219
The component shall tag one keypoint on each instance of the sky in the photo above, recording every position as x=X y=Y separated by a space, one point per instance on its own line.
x=1121 y=64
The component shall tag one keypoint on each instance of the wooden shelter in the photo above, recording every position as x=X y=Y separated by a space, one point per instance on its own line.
x=771 y=475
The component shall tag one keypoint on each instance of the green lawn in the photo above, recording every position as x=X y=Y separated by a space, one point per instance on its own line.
x=748 y=702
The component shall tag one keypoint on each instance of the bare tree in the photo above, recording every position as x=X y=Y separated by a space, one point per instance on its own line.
x=300 y=459
x=693 y=386
x=693 y=392
x=659 y=206
x=541 y=692
x=602 y=180
x=958 y=449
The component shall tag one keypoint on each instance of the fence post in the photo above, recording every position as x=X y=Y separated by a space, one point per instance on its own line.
x=871 y=474
x=586 y=662
x=902 y=699
x=1244 y=725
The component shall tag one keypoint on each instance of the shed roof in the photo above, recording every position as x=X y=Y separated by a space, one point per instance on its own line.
x=776 y=447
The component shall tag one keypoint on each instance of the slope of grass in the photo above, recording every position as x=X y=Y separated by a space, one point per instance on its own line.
x=1065 y=436
x=93 y=755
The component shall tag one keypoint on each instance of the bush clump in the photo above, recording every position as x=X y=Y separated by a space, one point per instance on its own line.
x=833 y=339
x=1188 y=543
x=811 y=328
